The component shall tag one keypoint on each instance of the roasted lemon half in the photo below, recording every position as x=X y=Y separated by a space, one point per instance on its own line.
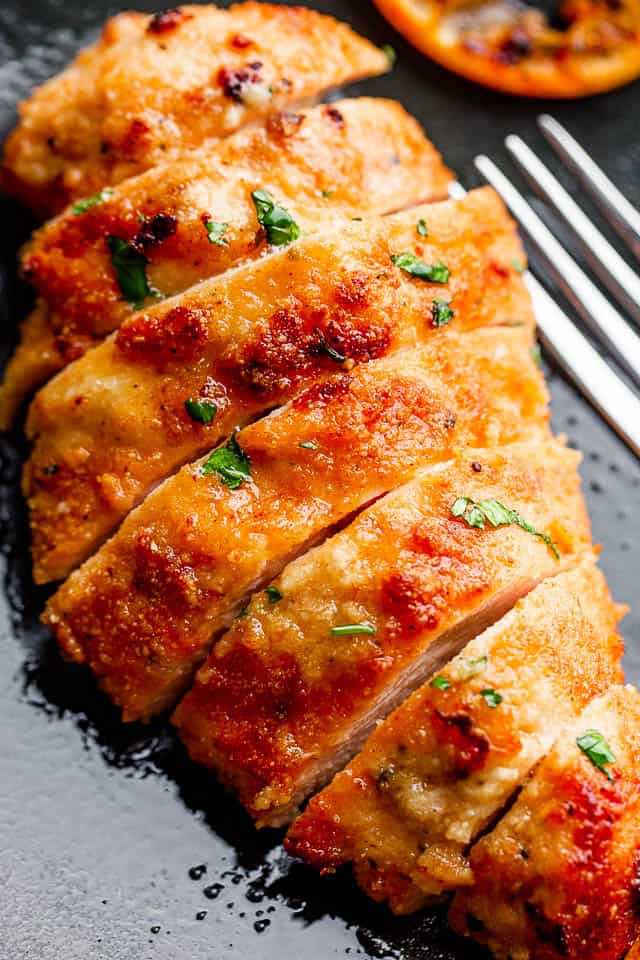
x=512 y=47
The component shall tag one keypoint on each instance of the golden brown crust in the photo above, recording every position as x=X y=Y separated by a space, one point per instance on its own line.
x=142 y=611
x=113 y=423
x=142 y=96
x=317 y=163
x=511 y=47
x=439 y=769
x=281 y=702
x=558 y=877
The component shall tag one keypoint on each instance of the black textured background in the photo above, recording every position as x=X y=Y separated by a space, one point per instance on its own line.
x=100 y=824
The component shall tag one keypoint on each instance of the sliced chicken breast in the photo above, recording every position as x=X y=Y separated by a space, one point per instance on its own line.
x=292 y=690
x=180 y=376
x=194 y=218
x=155 y=87
x=440 y=769
x=142 y=612
x=557 y=879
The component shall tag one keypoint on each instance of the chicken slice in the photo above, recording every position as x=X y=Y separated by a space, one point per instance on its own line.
x=557 y=879
x=438 y=770
x=153 y=88
x=291 y=692
x=113 y=424
x=143 y=610
x=194 y=218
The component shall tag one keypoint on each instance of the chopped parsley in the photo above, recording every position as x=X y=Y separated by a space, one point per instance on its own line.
x=215 y=232
x=349 y=629
x=518 y=265
x=202 y=411
x=389 y=53
x=597 y=750
x=536 y=354
x=83 y=205
x=441 y=313
x=274 y=594
x=477 y=513
x=309 y=445
x=435 y=272
x=230 y=462
x=327 y=348
x=280 y=226
x=421 y=227
x=491 y=698
x=327 y=193
x=440 y=683
x=475 y=665
x=130 y=268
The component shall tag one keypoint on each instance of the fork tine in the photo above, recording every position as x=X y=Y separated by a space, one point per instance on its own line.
x=614 y=272
x=598 y=382
x=582 y=292
x=620 y=213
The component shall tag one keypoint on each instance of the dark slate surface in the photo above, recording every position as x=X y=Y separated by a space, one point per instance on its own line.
x=101 y=824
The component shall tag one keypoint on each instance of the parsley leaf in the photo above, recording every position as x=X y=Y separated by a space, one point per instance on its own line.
x=83 y=205
x=440 y=683
x=215 y=231
x=441 y=313
x=130 y=267
x=536 y=354
x=476 y=514
x=491 y=698
x=202 y=411
x=348 y=629
x=518 y=265
x=436 y=272
x=327 y=348
x=389 y=53
x=280 y=226
x=421 y=227
x=274 y=594
x=327 y=193
x=595 y=747
x=230 y=462
x=309 y=445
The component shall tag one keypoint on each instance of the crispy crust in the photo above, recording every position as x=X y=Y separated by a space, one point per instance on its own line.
x=142 y=96
x=298 y=157
x=113 y=423
x=143 y=610
x=510 y=47
x=439 y=769
x=281 y=703
x=558 y=877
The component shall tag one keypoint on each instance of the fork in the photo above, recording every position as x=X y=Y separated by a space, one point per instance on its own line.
x=602 y=386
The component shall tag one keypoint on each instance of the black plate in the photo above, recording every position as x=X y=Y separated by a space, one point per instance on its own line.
x=101 y=824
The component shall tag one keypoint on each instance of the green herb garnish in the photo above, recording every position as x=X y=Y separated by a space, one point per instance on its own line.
x=435 y=272
x=518 y=265
x=202 y=411
x=389 y=53
x=274 y=594
x=309 y=445
x=491 y=698
x=215 y=232
x=83 y=205
x=327 y=348
x=595 y=747
x=440 y=683
x=474 y=666
x=327 y=193
x=280 y=226
x=441 y=313
x=422 y=228
x=230 y=462
x=477 y=513
x=536 y=354
x=348 y=629
x=130 y=268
